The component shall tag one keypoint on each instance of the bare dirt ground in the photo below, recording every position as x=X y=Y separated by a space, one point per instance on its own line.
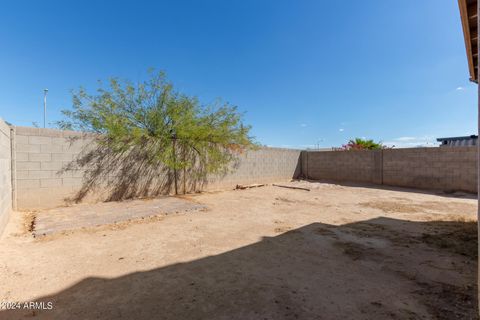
x=336 y=252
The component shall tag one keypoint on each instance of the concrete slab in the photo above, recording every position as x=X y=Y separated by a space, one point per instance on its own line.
x=63 y=219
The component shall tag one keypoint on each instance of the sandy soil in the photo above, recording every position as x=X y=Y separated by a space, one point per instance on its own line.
x=336 y=252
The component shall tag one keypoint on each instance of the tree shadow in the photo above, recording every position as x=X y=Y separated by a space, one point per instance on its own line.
x=377 y=269
x=112 y=175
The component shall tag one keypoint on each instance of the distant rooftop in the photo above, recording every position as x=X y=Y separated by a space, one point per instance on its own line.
x=459 y=141
x=458 y=138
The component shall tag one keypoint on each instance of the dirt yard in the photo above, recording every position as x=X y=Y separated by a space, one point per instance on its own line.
x=336 y=252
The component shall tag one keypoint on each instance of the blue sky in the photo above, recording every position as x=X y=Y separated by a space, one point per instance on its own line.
x=304 y=72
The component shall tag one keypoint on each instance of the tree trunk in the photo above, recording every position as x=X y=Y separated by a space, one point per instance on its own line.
x=174 y=141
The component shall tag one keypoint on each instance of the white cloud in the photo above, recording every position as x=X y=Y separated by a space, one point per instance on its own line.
x=406 y=139
x=303 y=125
x=341 y=129
x=412 y=142
x=460 y=88
x=292 y=146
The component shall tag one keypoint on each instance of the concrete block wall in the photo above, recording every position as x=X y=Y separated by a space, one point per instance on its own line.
x=265 y=165
x=354 y=166
x=449 y=169
x=42 y=154
x=5 y=175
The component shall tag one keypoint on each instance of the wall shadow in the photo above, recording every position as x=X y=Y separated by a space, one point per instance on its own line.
x=297 y=173
x=376 y=269
x=447 y=194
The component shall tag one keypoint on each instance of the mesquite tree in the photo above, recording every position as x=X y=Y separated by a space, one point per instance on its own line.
x=167 y=127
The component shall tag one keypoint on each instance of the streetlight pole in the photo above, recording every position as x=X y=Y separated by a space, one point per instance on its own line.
x=45 y=107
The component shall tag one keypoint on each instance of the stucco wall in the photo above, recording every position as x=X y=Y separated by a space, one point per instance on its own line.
x=447 y=169
x=42 y=181
x=5 y=175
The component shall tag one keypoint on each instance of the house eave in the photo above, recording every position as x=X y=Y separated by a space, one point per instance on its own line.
x=469 y=17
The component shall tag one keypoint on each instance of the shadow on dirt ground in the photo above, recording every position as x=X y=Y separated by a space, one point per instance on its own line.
x=376 y=269
x=455 y=194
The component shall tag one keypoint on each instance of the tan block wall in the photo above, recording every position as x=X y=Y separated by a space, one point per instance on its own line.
x=449 y=169
x=265 y=165
x=354 y=166
x=41 y=154
x=5 y=175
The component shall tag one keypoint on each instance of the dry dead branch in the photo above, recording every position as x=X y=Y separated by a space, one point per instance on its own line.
x=248 y=186
x=290 y=187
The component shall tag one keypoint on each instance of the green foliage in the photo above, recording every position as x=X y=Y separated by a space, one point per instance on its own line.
x=170 y=128
x=363 y=144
